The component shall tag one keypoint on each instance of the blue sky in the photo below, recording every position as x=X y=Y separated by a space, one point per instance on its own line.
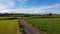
x=30 y=6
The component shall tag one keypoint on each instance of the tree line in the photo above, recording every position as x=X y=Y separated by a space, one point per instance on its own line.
x=26 y=15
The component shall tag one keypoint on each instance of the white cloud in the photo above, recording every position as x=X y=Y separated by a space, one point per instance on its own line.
x=7 y=2
x=42 y=9
x=4 y=4
x=10 y=2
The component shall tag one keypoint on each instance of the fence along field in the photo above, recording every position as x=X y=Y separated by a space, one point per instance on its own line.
x=9 y=27
x=48 y=25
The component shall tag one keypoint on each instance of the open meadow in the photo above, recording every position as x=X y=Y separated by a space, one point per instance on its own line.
x=48 y=25
x=9 y=27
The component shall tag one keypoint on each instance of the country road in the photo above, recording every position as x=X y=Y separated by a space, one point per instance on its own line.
x=27 y=28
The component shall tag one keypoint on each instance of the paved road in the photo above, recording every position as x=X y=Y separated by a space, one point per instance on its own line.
x=27 y=28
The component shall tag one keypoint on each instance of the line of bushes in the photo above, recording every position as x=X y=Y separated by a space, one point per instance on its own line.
x=8 y=18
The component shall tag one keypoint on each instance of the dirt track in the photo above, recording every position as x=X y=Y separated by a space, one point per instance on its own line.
x=27 y=28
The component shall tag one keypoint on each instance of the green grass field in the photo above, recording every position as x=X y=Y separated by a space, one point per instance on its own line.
x=48 y=25
x=9 y=27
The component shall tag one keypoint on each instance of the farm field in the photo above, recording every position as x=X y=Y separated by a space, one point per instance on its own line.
x=48 y=25
x=9 y=27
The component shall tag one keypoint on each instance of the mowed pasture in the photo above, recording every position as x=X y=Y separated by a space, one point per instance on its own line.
x=9 y=27
x=48 y=25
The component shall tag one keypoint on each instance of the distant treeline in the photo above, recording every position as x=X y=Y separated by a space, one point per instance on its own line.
x=28 y=15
